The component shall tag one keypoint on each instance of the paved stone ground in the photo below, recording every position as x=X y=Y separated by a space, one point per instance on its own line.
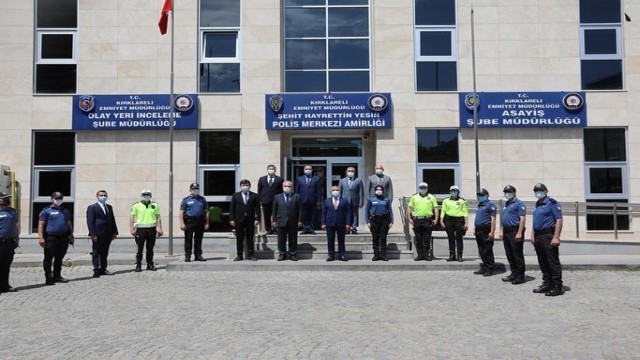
x=317 y=315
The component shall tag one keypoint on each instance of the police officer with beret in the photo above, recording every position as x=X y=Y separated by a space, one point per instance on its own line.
x=55 y=234
x=9 y=240
x=484 y=230
x=513 y=227
x=422 y=214
x=455 y=222
x=545 y=237
x=379 y=220
x=194 y=220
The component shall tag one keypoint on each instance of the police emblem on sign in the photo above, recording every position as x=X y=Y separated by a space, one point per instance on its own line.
x=470 y=102
x=183 y=102
x=572 y=101
x=276 y=103
x=378 y=102
x=86 y=103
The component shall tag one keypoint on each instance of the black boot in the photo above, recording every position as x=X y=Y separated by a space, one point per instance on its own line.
x=459 y=256
x=138 y=267
x=556 y=290
x=50 y=281
x=542 y=288
x=151 y=267
x=452 y=256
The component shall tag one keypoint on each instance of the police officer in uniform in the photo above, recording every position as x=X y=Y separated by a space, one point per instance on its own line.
x=455 y=221
x=145 y=225
x=422 y=214
x=379 y=220
x=545 y=237
x=484 y=230
x=194 y=220
x=9 y=240
x=55 y=234
x=513 y=227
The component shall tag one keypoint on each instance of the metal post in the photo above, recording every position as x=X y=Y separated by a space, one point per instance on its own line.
x=615 y=220
x=577 y=220
x=171 y=119
x=476 y=103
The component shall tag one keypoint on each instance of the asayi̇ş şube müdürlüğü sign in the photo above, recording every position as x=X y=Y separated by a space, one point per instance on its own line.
x=328 y=111
x=524 y=109
x=134 y=112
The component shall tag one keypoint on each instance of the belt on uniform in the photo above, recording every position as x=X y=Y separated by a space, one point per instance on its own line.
x=422 y=217
x=509 y=228
x=545 y=231
x=7 y=240
x=146 y=226
x=483 y=227
x=55 y=234
x=380 y=217
x=454 y=218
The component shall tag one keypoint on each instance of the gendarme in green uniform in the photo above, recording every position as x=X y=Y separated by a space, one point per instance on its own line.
x=423 y=205
x=145 y=215
x=454 y=208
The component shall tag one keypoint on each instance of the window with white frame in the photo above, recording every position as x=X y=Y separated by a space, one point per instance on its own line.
x=219 y=52
x=601 y=44
x=435 y=50
x=326 y=45
x=56 y=46
x=438 y=159
x=606 y=176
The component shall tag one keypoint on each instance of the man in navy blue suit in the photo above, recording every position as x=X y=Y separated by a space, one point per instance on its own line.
x=308 y=187
x=336 y=219
x=102 y=229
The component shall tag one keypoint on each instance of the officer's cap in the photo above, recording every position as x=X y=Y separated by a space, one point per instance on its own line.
x=145 y=192
x=56 y=194
x=194 y=186
x=4 y=195
x=540 y=187
x=454 y=188
x=509 y=189
x=483 y=192
x=423 y=185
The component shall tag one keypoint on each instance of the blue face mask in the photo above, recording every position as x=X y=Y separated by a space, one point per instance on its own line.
x=482 y=198
x=540 y=194
x=146 y=198
x=103 y=199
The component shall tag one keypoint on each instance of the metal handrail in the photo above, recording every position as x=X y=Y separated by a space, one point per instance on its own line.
x=405 y=225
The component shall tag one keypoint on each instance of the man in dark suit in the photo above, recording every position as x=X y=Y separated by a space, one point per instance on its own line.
x=379 y=178
x=336 y=219
x=244 y=215
x=352 y=189
x=269 y=186
x=308 y=187
x=102 y=229
x=286 y=217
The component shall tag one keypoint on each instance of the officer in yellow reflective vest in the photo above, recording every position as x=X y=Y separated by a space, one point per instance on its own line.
x=422 y=214
x=455 y=222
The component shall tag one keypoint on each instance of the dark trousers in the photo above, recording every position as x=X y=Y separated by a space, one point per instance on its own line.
x=193 y=233
x=267 y=209
x=355 y=215
x=244 y=233
x=548 y=259
x=485 y=246
x=148 y=236
x=99 y=253
x=379 y=231
x=455 y=231
x=514 y=251
x=308 y=216
x=55 y=248
x=289 y=232
x=332 y=231
x=6 y=258
x=422 y=228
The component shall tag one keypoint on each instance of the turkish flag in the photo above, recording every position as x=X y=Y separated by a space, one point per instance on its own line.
x=164 y=16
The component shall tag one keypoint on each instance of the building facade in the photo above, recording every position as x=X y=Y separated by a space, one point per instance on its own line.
x=67 y=63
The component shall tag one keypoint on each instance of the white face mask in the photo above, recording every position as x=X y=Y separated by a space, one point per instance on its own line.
x=287 y=189
x=379 y=171
x=58 y=202
x=244 y=188
x=335 y=194
x=423 y=191
x=308 y=172
x=271 y=172
x=103 y=198
x=508 y=196
x=351 y=174
x=195 y=192
x=379 y=192
x=146 y=198
x=540 y=194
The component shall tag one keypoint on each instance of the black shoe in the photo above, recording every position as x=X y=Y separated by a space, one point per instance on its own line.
x=138 y=268
x=480 y=272
x=281 y=257
x=151 y=267
x=429 y=257
x=252 y=258
x=459 y=257
x=199 y=258
x=10 y=289
x=342 y=258
x=509 y=278
x=329 y=258
x=60 y=279
x=293 y=257
x=452 y=257
x=488 y=273
x=555 y=291
x=238 y=258
x=384 y=258
x=96 y=274
x=419 y=258
x=518 y=281
x=105 y=272
x=312 y=232
x=187 y=258
x=542 y=289
x=354 y=231
x=375 y=258
x=50 y=281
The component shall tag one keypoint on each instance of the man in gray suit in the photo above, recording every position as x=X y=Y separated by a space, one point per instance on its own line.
x=379 y=178
x=286 y=217
x=352 y=189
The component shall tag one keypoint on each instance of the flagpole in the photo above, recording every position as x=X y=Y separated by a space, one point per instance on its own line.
x=475 y=102
x=171 y=119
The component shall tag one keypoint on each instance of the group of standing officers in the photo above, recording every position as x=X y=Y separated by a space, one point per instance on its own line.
x=288 y=208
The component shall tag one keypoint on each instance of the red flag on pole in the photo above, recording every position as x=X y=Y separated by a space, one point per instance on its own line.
x=164 y=16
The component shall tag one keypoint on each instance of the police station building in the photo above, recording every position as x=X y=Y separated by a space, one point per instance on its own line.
x=330 y=83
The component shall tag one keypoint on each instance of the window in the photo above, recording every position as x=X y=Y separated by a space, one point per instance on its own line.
x=56 y=46
x=438 y=159
x=606 y=176
x=435 y=45
x=53 y=170
x=326 y=45
x=601 y=44
x=218 y=173
x=219 y=46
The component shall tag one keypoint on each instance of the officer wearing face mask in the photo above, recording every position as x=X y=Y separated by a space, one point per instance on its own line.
x=455 y=222
x=55 y=234
x=545 y=237
x=422 y=214
x=484 y=230
x=379 y=220
x=145 y=225
x=194 y=220
x=513 y=227
x=379 y=178
x=9 y=240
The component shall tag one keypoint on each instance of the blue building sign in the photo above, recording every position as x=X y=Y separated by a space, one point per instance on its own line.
x=328 y=111
x=524 y=109
x=134 y=112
